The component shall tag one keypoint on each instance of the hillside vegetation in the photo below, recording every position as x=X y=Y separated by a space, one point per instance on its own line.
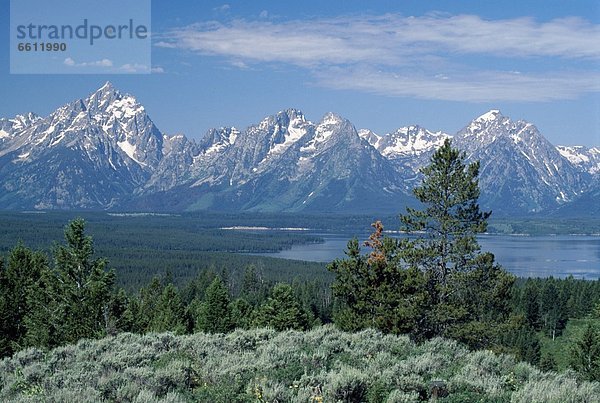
x=262 y=365
x=433 y=318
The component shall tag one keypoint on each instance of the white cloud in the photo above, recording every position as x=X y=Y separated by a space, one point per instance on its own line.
x=103 y=63
x=157 y=69
x=389 y=37
x=239 y=64
x=222 y=9
x=99 y=63
x=442 y=56
x=479 y=87
x=134 y=68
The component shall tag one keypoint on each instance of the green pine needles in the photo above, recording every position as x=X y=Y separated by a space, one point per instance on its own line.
x=436 y=281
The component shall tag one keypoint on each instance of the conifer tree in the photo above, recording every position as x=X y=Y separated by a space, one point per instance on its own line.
x=44 y=319
x=547 y=363
x=254 y=289
x=446 y=248
x=214 y=313
x=531 y=306
x=282 y=311
x=170 y=313
x=119 y=317
x=84 y=285
x=144 y=308
x=436 y=283
x=241 y=313
x=450 y=220
x=553 y=309
x=5 y=314
x=585 y=355
x=379 y=290
x=72 y=299
x=17 y=285
x=528 y=346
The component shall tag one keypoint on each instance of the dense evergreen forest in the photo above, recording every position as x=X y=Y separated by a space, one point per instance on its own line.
x=435 y=284
x=140 y=246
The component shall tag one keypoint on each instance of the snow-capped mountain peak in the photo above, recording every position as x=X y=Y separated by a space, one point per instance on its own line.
x=22 y=121
x=327 y=129
x=583 y=158
x=103 y=151
x=295 y=130
x=108 y=102
x=518 y=163
x=408 y=141
x=489 y=116
x=217 y=140
x=488 y=127
x=369 y=136
x=10 y=127
x=331 y=118
x=102 y=97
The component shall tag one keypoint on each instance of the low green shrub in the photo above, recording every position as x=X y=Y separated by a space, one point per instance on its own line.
x=261 y=365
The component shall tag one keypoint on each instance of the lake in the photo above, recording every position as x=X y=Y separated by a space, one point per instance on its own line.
x=525 y=256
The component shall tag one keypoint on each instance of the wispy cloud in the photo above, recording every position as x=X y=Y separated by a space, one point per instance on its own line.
x=134 y=68
x=487 y=86
x=98 y=63
x=434 y=56
x=222 y=8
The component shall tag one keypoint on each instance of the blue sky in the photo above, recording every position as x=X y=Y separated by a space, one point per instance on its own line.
x=381 y=64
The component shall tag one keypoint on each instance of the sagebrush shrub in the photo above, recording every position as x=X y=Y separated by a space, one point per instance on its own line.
x=320 y=365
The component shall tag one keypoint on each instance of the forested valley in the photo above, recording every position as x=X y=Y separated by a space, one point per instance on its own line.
x=433 y=315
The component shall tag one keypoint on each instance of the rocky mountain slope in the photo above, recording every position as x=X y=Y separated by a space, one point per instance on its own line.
x=104 y=152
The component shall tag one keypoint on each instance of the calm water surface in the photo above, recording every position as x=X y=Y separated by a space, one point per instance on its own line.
x=525 y=256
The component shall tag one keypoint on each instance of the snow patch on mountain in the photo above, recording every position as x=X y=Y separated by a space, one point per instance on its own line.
x=370 y=136
x=489 y=116
x=105 y=149
x=486 y=127
x=405 y=142
x=126 y=107
x=57 y=139
x=294 y=132
x=584 y=158
x=221 y=139
x=323 y=131
x=412 y=140
x=130 y=150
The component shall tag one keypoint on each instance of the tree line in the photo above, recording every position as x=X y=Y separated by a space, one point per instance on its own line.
x=436 y=283
x=44 y=304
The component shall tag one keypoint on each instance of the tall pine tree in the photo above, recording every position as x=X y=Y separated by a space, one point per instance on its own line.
x=72 y=300
x=585 y=354
x=170 y=313
x=437 y=282
x=459 y=276
x=214 y=313
x=17 y=286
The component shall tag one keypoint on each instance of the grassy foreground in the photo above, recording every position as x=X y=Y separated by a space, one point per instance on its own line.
x=261 y=365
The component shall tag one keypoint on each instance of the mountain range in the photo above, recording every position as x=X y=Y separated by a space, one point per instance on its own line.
x=104 y=152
